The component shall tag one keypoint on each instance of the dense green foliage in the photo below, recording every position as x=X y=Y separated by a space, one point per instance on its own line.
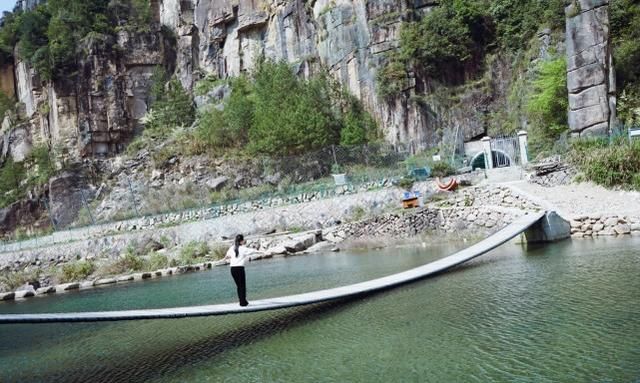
x=449 y=43
x=55 y=34
x=15 y=181
x=275 y=112
x=11 y=176
x=171 y=106
x=76 y=271
x=8 y=37
x=517 y=21
x=358 y=127
x=447 y=38
x=547 y=106
x=608 y=164
x=229 y=128
x=290 y=116
x=625 y=35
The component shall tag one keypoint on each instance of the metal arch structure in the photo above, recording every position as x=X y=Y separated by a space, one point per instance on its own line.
x=361 y=289
x=493 y=153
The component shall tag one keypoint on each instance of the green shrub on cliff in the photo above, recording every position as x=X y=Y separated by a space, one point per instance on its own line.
x=450 y=42
x=447 y=38
x=548 y=104
x=40 y=158
x=625 y=34
x=517 y=21
x=51 y=35
x=290 y=116
x=275 y=112
x=8 y=37
x=11 y=176
x=229 y=128
x=171 y=107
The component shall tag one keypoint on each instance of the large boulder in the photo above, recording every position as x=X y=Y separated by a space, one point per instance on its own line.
x=69 y=193
x=25 y=213
x=216 y=184
x=300 y=243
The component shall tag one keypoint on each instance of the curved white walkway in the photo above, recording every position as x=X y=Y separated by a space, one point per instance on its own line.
x=504 y=235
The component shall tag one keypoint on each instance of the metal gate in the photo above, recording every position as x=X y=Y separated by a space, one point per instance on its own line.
x=505 y=151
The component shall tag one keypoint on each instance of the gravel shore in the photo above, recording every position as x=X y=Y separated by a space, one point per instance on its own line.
x=583 y=198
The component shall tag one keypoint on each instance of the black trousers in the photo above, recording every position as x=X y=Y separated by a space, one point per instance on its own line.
x=237 y=272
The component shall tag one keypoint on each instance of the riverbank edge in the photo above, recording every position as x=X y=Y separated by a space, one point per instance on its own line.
x=445 y=222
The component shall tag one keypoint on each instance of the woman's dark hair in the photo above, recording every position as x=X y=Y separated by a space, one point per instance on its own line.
x=239 y=239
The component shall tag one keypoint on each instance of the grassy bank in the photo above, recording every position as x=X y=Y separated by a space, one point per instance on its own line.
x=608 y=163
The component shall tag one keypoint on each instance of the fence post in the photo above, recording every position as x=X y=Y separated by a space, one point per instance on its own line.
x=486 y=148
x=522 y=142
x=133 y=196
x=86 y=205
x=53 y=221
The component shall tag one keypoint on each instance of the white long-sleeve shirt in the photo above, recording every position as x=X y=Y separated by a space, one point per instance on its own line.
x=244 y=253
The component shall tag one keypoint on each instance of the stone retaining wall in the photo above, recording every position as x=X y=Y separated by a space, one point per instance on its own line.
x=604 y=225
x=489 y=196
x=477 y=220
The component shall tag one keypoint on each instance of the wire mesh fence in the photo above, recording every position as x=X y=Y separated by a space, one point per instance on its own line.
x=281 y=181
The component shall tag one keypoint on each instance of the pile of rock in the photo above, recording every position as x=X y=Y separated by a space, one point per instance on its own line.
x=490 y=196
x=397 y=225
x=552 y=172
x=480 y=220
x=402 y=225
x=604 y=225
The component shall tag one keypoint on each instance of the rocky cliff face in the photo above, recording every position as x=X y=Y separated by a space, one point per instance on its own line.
x=348 y=38
x=590 y=76
x=95 y=113
x=98 y=114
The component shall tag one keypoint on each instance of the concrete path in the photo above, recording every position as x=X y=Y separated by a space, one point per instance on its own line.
x=358 y=289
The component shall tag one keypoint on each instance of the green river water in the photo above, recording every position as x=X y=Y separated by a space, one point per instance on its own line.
x=566 y=312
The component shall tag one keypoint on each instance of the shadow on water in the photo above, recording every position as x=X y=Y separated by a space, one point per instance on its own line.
x=161 y=362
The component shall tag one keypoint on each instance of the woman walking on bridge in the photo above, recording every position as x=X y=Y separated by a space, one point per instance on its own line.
x=238 y=255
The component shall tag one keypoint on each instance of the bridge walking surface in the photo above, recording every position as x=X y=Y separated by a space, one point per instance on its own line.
x=357 y=289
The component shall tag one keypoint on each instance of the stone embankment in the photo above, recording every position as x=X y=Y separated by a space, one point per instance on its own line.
x=604 y=225
x=476 y=220
x=552 y=171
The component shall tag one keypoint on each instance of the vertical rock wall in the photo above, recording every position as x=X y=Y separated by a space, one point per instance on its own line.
x=349 y=38
x=590 y=77
x=98 y=114
x=95 y=113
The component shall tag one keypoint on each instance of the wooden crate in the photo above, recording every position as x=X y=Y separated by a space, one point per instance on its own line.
x=410 y=203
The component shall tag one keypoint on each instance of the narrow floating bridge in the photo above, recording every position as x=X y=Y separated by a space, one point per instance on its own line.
x=539 y=226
